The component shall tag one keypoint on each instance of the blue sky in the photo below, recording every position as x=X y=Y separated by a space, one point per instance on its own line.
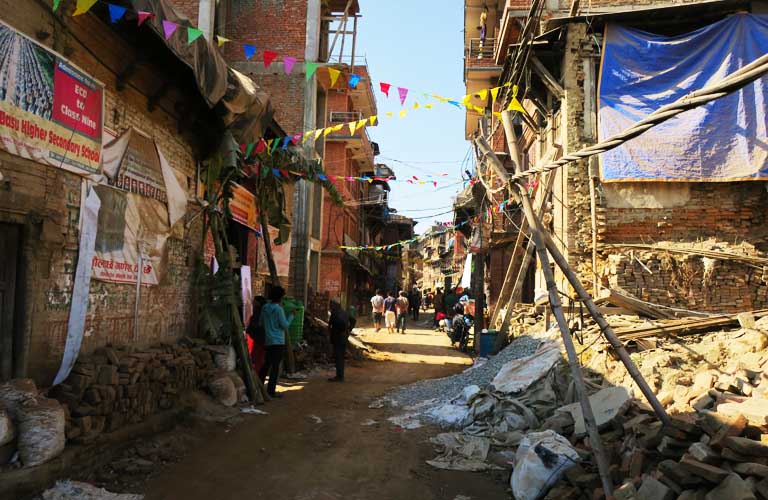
x=417 y=45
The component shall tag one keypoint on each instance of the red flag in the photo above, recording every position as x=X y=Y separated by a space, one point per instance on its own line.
x=284 y=172
x=296 y=138
x=143 y=16
x=260 y=146
x=242 y=148
x=385 y=88
x=269 y=56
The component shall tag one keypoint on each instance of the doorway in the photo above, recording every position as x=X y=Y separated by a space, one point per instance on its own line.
x=10 y=240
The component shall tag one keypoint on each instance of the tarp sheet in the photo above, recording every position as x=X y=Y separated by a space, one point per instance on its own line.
x=724 y=140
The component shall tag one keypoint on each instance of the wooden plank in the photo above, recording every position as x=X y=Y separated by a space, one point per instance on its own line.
x=622 y=298
x=683 y=326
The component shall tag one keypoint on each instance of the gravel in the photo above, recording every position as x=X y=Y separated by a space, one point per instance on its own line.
x=444 y=389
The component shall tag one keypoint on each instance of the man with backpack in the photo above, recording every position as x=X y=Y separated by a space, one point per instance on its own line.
x=339 y=326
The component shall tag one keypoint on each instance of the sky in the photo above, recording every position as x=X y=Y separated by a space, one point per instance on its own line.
x=417 y=44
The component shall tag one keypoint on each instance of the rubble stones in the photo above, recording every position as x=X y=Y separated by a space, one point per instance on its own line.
x=607 y=405
x=731 y=488
x=653 y=489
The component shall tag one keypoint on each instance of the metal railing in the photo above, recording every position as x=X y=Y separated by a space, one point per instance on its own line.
x=481 y=49
x=344 y=116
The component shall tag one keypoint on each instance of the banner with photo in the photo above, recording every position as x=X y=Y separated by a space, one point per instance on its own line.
x=50 y=111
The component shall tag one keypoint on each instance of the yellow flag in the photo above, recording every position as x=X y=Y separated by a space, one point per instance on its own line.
x=269 y=147
x=351 y=126
x=497 y=114
x=403 y=113
x=478 y=109
x=416 y=105
x=516 y=106
x=390 y=114
x=428 y=106
x=327 y=131
x=83 y=6
x=334 y=73
x=466 y=99
x=361 y=124
x=495 y=93
x=483 y=94
x=508 y=84
x=220 y=40
x=338 y=127
x=373 y=119
x=318 y=133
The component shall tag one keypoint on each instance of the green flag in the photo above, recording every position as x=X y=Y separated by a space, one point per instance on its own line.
x=311 y=68
x=193 y=34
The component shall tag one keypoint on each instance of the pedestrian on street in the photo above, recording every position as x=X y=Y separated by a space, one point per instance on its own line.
x=339 y=326
x=275 y=323
x=402 y=312
x=256 y=332
x=414 y=303
x=390 y=316
x=439 y=307
x=377 y=303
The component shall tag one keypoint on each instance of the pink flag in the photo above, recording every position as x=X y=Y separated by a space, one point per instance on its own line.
x=403 y=94
x=143 y=16
x=289 y=63
x=296 y=138
x=385 y=88
x=169 y=28
x=269 y=56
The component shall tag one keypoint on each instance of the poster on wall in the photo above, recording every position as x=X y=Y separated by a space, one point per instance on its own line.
x=281 y=254
x=243 y=207
x=50 y=111
x=139 y=206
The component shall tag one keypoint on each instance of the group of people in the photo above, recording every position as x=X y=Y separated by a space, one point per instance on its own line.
x=267 y=329
x=32 y=89
x=448 y=305
x=393 y=311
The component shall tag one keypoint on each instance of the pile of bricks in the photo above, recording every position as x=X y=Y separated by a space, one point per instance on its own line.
x=114 y=387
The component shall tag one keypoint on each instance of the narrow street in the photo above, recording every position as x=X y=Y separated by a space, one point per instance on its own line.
x=290 y=454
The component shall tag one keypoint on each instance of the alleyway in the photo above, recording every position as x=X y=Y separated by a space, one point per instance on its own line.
x=291 y=455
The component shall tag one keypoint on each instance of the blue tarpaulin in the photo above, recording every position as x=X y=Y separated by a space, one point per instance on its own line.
x=724 y=140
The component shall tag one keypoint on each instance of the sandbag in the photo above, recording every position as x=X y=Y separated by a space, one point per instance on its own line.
x=41 y=431
x=223 y=390
x=16 y=392
x=7 y=429
x=225 y=358
x=540 y=460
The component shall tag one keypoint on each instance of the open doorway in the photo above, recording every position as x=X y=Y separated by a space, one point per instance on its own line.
x=10 y=245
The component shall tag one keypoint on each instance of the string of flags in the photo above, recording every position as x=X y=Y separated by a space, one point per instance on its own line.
x=117 y=13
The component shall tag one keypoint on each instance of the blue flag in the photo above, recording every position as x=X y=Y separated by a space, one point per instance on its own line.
x=116 y=12
x=249 y=50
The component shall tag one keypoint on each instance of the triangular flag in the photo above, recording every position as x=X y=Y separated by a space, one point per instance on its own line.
x=310 y=68
x=193 y=34
x=466 y=99
x=260 y=146
x=416 y=105
x=307 y=135
x=327 y=131
x=116 y=12
x=286 y=140
x=373 y=119
x=495 y=93
x=483 y=94
x=385 y=88
x=169 y=28
x=249 y=50
x=360 y=124
x=275 y=145
x=296 y=138
x=289 y=63
x=515 y=106
x=56 y=4
x=220 y=40
x=338 y=127
x=143 y=16
x=269 y=56
x=249 y=149
x=403 y=113
x=354 y=80
x=497 y=114
x=428 y=106
x=83 y=6
x=390 y=114
x=351 y=126
x=403 y=94
x=334 y=74
x=318 y=133
x=478 y=109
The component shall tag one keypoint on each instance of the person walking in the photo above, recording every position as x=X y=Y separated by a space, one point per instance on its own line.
x=339 y=326
x=402 y=306
x=274 y=323
x=414 y=303
x=439 y=306
x=377 y=303
x=390 y=316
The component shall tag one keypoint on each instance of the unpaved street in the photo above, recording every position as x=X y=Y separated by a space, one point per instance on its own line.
x=314 y=444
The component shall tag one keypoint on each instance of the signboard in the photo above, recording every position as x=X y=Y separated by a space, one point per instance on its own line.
x=281 y=254
x=243 y=207
x=50 y=111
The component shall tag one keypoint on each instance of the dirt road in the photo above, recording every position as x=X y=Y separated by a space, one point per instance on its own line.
x=314 y=444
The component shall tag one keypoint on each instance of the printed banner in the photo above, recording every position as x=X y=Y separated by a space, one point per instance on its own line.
x=281 y=254
x=243 y=207
x=50 y=112
x=720 y=141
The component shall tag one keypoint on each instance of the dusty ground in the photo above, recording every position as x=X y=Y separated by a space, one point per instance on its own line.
x=314 y=445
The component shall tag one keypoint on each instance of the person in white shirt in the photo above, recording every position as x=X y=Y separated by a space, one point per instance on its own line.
x=377 y=302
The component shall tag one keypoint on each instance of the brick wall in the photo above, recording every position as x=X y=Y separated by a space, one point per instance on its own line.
x=45 y=201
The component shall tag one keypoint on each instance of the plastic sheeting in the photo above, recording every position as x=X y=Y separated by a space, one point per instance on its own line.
x=724 y=140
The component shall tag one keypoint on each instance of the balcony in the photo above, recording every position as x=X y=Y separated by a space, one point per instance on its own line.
x=336 y=117
x=359 y=144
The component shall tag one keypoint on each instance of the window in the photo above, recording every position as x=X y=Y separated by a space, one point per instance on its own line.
x=314 y=269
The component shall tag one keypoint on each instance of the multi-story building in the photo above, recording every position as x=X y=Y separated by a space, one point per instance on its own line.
x=640 y=232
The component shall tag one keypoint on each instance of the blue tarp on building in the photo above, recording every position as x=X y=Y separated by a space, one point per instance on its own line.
x=724 y=140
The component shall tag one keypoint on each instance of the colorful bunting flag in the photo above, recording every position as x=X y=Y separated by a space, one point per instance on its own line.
x=351 y=126
x=269 y=56
x=220 y=40
x=428 y=106
x=360 y=124
x=83 y=6
x=318 y=133
x=403 y=113
x=286 y=140
x=390 y=114
x=296 y=138
x=116 y=12
x=373 y=119
x=261 y=146
x=143 y=16
x=249 y=149
x=483 y=94
x=249 y=51
x=169 y=28
x=56 y=4
x=289 y=63
x=403 y=92
x=415 y=105
x=495 y=93
x=310 y=69
x=193 y=34
x=385 y=88
x=327 y=131
x=338 y=127
x=354 y=80
x=334 y=74
x=275 y=144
